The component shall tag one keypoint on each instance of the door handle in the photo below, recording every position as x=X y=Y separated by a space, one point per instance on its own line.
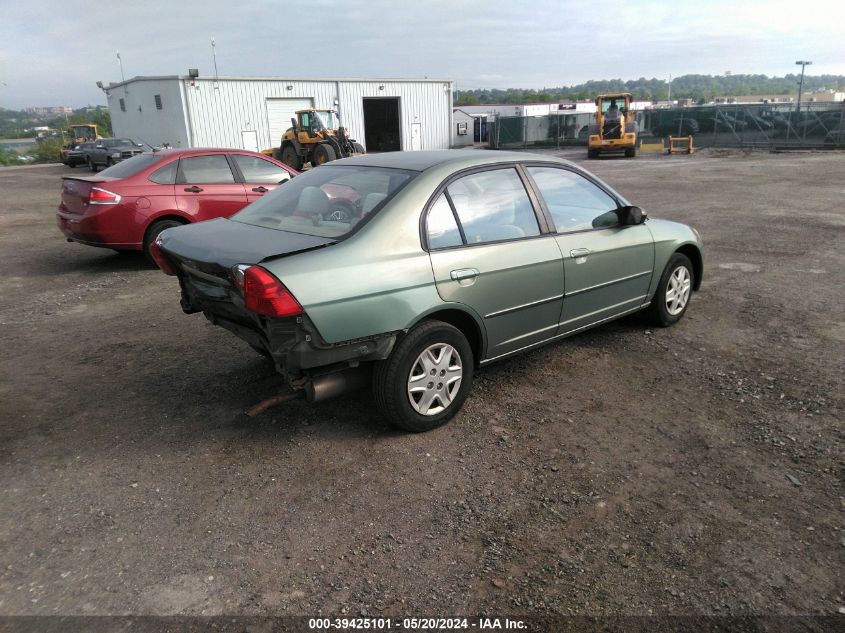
x=260 y=189
x=464 y=273
x=193 y=189
x=575 y=253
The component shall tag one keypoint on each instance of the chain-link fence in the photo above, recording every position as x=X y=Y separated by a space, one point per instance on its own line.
x=553 y=130
x=765 y=125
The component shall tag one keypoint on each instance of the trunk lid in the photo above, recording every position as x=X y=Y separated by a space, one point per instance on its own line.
x=75 y=191
x=217 y=245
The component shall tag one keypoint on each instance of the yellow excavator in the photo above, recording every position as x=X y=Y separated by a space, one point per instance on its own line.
x=313 y=138
x=615 y=129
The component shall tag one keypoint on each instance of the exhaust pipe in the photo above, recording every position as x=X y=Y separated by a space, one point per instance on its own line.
x=328 y=386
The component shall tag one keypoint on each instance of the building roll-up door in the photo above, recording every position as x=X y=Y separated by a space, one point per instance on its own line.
x=279 y=114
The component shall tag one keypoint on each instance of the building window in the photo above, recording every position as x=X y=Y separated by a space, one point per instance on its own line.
x=122 y=105
x=158 y=102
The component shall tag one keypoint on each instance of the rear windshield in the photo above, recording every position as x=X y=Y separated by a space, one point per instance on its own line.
x=327 y=201
x=131 y=166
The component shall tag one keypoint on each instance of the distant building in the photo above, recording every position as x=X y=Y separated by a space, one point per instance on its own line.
x=463 y=128
x=49 y=110
x=253 y=112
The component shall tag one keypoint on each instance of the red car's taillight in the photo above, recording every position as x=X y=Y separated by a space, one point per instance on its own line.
x=160 y=258
x=265 y=295
x=102 y=196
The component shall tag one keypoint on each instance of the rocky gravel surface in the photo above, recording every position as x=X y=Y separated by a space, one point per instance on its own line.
x=626 y=471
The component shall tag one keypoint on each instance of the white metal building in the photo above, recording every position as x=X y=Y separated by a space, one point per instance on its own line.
x=253 y=112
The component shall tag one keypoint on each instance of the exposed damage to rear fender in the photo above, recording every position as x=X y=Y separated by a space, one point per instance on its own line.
x=294 y=344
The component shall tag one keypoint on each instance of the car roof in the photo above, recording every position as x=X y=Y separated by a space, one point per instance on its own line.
x=458 y=158
x=172 y=151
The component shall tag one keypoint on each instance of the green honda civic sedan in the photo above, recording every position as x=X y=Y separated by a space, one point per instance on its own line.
x=441 y=263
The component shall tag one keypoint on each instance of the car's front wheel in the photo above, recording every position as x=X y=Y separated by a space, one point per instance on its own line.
x=426 y=379
x=674 y=291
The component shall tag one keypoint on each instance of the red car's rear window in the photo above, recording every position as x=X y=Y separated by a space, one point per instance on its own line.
x=131 y=166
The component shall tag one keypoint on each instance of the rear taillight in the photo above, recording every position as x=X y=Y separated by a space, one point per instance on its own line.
x=265 y=295
x=160 y=258
x=102 y=196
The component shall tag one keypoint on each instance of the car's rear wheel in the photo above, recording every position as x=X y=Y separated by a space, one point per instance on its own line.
x=427 y=378
x=674 y=291
x=153 y=233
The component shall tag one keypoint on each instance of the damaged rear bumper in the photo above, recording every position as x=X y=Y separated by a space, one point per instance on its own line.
x=294 y=344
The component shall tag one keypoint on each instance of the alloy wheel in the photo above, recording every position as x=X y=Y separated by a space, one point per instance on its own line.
x=678 y=290
x=435 y=379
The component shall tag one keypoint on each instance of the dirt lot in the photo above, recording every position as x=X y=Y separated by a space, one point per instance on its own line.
x=690 y=470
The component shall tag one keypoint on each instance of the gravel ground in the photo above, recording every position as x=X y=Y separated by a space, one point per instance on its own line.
x=690 y=470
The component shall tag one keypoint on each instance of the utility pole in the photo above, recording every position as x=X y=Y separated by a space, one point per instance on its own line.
x=122 y=77
x=803 y=65
x=214 y=57
x=669 y=97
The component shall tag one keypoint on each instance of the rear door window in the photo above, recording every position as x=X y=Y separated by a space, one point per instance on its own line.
x=210 y=169
x=258 y=171
x=493 y=206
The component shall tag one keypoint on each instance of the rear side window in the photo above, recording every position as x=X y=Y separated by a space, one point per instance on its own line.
x=441 y=226
x=211 y=169
x=493 y=206
x=575 y=203
x=165 y=175
x=258 y=171
x=130 y=166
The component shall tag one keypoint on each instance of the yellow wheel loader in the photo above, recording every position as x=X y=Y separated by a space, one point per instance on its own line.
x=615 y=129
x=312 y=138
x=82 y=133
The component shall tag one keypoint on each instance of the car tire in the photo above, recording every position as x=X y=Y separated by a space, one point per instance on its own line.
x=153 y=232
x=91 y=165
x=291 y=158
x=393 y=378
x=359 y=149
x=109 y=162
x=323 y=153
x=673 y=294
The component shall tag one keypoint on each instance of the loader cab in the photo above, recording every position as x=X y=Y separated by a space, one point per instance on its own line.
x=316 y=123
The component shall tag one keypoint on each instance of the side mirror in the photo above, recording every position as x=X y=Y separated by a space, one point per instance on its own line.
x=631 y=216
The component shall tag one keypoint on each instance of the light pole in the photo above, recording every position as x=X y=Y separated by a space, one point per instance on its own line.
x=803 y=65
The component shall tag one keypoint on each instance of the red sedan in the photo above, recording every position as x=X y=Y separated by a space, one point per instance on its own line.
x=126 y=206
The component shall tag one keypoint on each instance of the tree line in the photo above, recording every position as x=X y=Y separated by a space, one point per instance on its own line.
x=16 y=124
x=700 y=88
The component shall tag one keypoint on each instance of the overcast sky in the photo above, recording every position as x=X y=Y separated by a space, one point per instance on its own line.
x=52 y=53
